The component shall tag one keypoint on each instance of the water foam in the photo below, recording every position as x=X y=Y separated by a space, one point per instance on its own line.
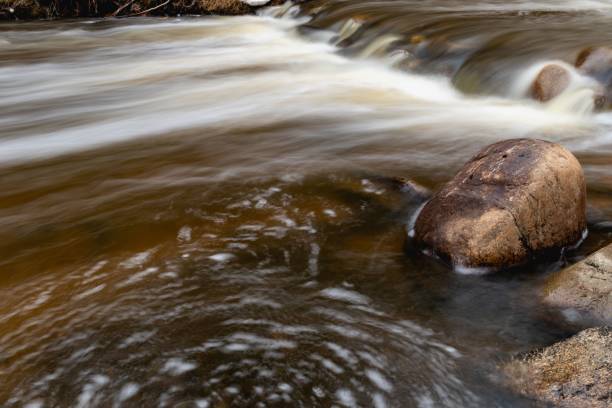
x=577 y=98
x=364 y=98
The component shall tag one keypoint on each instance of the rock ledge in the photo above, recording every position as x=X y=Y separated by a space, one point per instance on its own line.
x=585 y=287
x=576 y=372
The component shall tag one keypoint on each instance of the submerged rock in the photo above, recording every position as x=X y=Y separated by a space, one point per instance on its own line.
x=514 y=200
x=585 y=287
x=552 y=80
x=576 y=372
x=411 y=188
x=596 y=62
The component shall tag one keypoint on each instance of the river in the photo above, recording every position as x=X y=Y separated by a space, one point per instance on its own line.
x=201 y=211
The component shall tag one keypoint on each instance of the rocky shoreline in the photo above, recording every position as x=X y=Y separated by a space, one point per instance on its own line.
x=54 y=9
x=576 y=372
x=583 y=291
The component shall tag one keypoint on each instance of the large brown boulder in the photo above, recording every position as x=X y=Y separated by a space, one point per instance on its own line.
x=576 y=372
x=512 y=201
x=585 y=287
x=551 y=81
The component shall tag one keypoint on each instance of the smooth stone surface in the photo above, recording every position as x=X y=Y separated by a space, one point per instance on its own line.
x=585 y=287
x=576 y=372
x=552 y=80
x=515 y=200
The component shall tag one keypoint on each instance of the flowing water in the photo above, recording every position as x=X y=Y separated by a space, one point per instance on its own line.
x=202 y=211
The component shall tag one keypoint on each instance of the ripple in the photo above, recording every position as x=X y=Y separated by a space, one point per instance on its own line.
x=344 y=295
x=177 y=366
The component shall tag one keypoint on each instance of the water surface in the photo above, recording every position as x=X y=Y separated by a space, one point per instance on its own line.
x=203 y=212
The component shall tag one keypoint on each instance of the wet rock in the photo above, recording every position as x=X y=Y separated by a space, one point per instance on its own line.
x=552 y=80
x=514 y=200
x=596 y=62
x=411 y=188
x=576 y=372
x=585 y=287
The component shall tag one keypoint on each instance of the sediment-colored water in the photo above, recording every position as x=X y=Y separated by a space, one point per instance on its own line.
x=199 y=211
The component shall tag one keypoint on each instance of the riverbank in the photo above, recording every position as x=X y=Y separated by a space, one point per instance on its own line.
x=571 y=373
x=54 y=9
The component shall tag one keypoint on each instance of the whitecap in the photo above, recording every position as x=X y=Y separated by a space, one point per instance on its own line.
x=467 y=270
x=184 y=234
x=349 y=296
x=137 y=277
x=346 y=397
x=329 y=212
x=379 y=380
x=221 y=257
x=90 y=292
x=137 y=260
x=177 y=366
x=128 y=391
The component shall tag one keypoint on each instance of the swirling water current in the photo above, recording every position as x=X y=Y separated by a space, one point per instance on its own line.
x=201 y=211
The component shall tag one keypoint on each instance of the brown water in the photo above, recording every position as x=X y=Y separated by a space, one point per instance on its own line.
x=200 y=211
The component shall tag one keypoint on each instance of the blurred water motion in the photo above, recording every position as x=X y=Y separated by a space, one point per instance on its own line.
x=201 y=211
